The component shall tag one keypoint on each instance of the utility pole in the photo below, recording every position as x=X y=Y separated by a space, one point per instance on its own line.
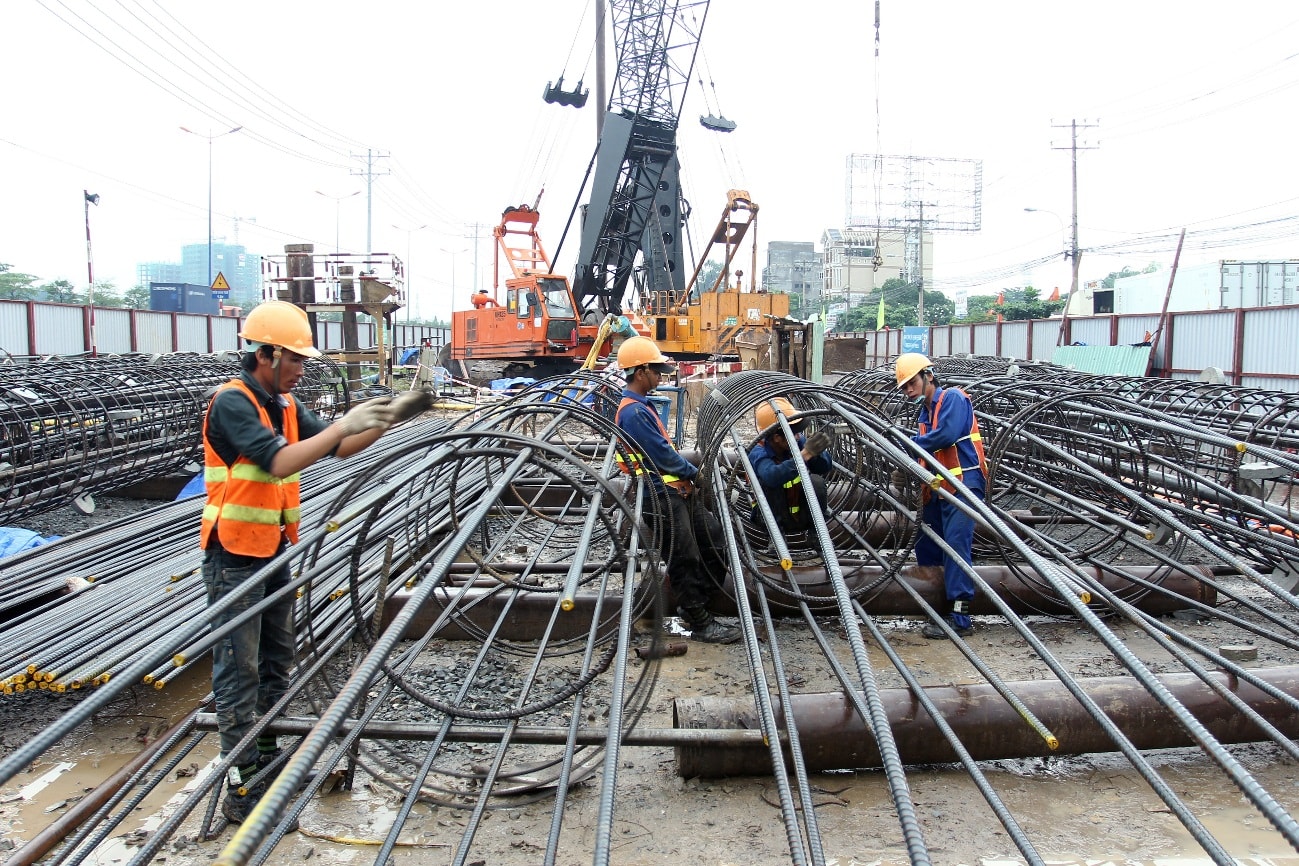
x=920 y=270
x=1074 y=254
x=369 y=174
x=476 y=235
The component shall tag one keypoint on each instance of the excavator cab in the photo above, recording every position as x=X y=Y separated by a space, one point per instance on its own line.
x=534 y=321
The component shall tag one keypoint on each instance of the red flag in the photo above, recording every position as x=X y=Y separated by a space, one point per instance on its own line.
x=1055 y=294
x=1001 y=298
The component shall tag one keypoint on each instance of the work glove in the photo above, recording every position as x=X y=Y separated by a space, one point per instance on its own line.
x=818 y=442
x=373 y=414
x=410 y=404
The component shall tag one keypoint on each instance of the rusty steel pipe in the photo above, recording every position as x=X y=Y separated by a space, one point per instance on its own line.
x=530 y=613
x=833 y=736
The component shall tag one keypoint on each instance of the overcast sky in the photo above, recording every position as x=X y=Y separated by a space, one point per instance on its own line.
x=1193 y=105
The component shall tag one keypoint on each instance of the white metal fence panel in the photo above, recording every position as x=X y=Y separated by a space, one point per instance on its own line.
x=1204 y=340
x=1046 y=332
x=191 y=333
x=1133 y=329
x=225 y=334
x=985 y=339
x=13 y=328
x=1091 y=331
x=112 y=331
x=153 y=332
x=1014 y=340
x=1269 y=342
x=60 y=329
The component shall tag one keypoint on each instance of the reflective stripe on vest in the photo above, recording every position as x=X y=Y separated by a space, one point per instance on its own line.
x=251 y=509
x=950 y=456
x=635 y=463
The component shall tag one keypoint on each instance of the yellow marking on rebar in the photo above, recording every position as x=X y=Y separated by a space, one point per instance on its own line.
x=1085 y=597
x=787 y=563
x=567 y=604
x=76 y=684
x=332 y=526
x=103 y=678
x=159 y=684
x=1052 y=742
x=49 y=676
x=1240 y=447
x=178 y=659
x=148 y=678
x=936 y=482
x=60 y=687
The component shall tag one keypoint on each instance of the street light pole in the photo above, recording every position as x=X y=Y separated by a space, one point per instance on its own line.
x=453 y=254
x=338 y=203
x=410 y=283
x=210 y=136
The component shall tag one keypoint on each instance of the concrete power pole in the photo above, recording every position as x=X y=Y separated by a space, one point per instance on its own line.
x=1074 y=253
x=369 y=174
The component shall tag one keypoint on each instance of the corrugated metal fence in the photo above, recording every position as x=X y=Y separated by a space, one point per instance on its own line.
x=1253 y=347
x=39 y=328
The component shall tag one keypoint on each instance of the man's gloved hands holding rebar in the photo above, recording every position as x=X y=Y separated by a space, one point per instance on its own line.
x=410 y=404
x=373 y=414
x=817 y=443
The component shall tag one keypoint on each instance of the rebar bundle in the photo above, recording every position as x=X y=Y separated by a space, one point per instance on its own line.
x=73 y=428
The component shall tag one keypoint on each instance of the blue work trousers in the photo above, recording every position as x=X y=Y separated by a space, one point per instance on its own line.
x=957 y=529
x=251 y=665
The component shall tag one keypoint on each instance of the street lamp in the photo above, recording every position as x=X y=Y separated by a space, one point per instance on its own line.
x=410 y=280
x=1058 y=219
x=453 y=254
x=338 y=203
x=210 y=136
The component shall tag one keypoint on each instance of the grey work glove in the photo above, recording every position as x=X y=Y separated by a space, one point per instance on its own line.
x=410 y=404
x=373 y=414
x=818 y=442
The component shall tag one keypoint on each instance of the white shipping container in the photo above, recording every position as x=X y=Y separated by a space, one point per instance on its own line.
x=1227 y=284
x=1259 y=284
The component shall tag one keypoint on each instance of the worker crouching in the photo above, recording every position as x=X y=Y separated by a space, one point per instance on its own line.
x=777 y=471
x=693 y=558
x=950 y=432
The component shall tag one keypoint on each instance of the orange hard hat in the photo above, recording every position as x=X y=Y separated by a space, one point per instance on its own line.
x=279 y=323
x=908 y=365
x=765 y=415
x=639 y=351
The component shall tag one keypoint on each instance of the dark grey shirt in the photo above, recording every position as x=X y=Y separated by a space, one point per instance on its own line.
x=234 y=427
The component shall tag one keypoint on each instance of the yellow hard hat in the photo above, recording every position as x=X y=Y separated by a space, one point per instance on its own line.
x=279 y=323
x=639 y=351
x=765 y=415
x=908 y=365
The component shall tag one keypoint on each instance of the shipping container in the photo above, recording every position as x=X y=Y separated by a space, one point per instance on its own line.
x=183 y=298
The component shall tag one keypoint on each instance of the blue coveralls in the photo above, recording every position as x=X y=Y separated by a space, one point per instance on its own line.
x=695 y=565
x=955 y=422
x=775 y=470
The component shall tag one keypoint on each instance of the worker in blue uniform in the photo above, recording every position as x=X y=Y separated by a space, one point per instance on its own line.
x=773 y=463
x=949 y=431
x=695 y=565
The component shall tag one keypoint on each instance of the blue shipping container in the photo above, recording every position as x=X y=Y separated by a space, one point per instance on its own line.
x=183 y=298
x=165 y=297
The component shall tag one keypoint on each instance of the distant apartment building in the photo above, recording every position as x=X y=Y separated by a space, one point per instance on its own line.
x=850 y=274
x=794 y=268
x=242 y=270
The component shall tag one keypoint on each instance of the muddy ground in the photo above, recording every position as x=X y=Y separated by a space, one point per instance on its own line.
x=1088 y=809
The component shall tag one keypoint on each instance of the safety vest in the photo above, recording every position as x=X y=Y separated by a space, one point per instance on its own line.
x=950 y=456
x=250 y=507
x=635 y=463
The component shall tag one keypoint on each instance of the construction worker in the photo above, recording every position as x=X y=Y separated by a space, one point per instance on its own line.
x=481 y=299
x=949 y=431
x=772 y=459
x=256 y=439
x=694 y=531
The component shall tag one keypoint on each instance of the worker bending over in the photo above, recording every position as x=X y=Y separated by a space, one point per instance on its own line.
x=256 y=439
x=949 y=431
x=773 y=463
x=694 y=560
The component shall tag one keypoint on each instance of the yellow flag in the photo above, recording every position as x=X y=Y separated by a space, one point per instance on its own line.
x=879 y=317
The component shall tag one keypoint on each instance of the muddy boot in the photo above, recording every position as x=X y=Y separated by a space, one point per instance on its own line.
x=705 y=627
x=240 y=800
x=934 y=631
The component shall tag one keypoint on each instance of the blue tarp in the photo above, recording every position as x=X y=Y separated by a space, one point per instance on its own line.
x=14 y=540
x=410 y=356
x=195 y=487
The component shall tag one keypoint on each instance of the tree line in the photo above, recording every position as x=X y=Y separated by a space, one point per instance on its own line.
x=17 y=286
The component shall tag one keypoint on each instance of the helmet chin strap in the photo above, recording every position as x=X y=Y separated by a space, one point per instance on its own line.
x=276 y=353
